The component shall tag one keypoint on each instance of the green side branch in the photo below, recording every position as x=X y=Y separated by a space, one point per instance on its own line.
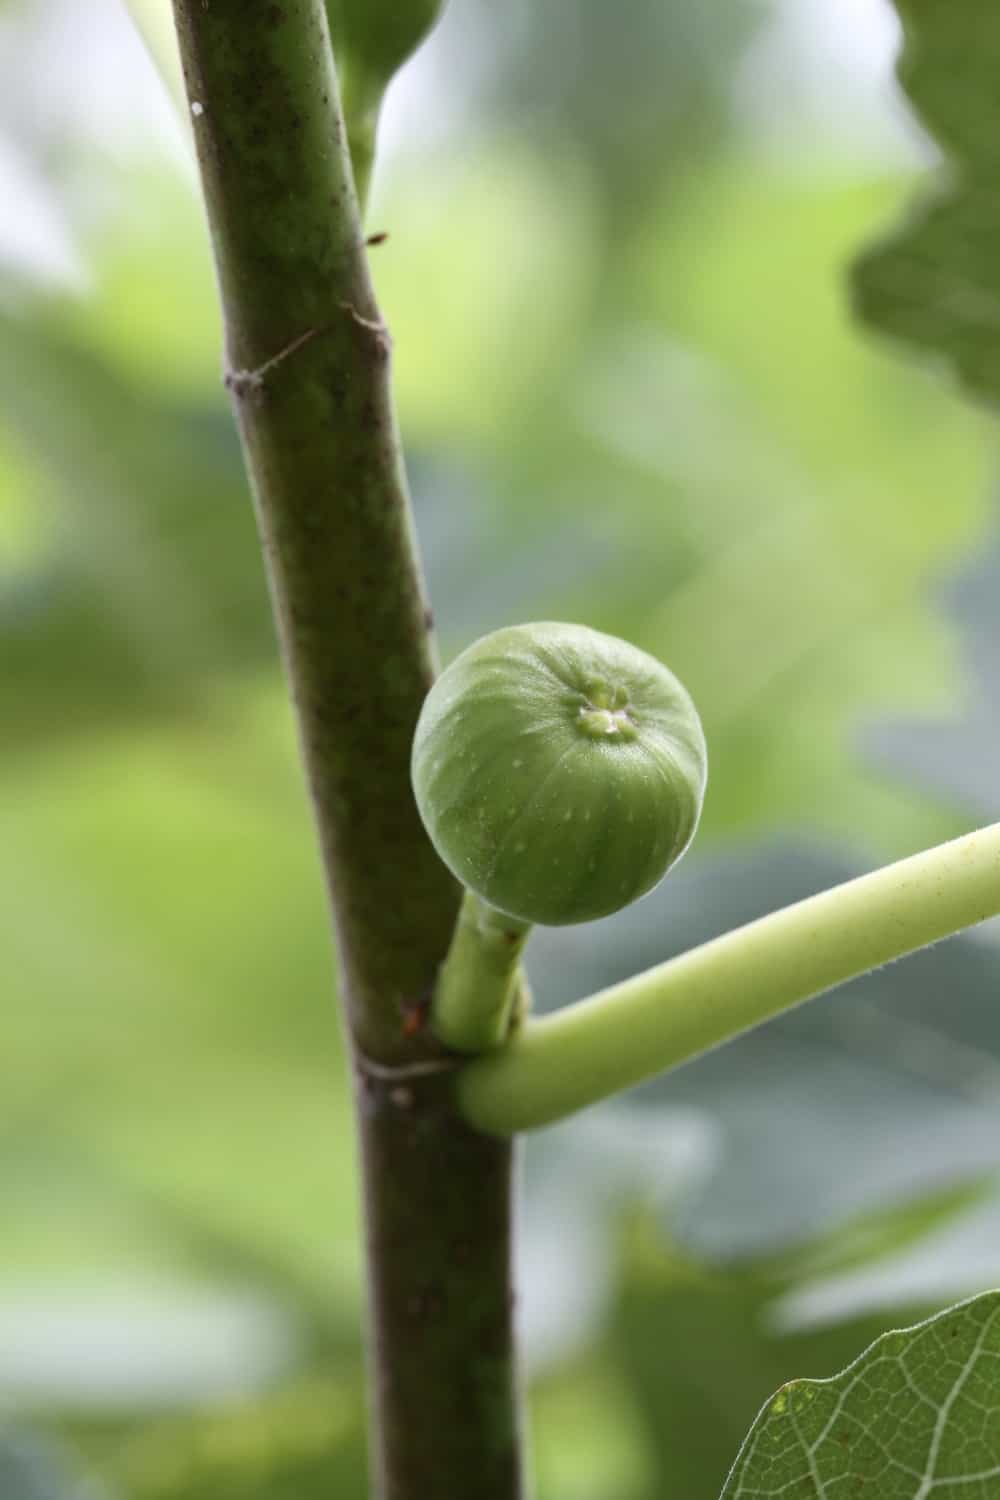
x=672 y=1013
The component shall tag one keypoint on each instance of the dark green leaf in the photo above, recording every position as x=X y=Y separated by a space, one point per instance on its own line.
x=935 y=281
x=917 y=1415
x=699 y=1351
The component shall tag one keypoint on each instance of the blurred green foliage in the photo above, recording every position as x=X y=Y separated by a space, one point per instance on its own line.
x=933 y=282
x=30 y=1470
x=631 y=394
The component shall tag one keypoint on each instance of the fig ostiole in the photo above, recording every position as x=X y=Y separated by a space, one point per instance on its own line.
x=559 y=772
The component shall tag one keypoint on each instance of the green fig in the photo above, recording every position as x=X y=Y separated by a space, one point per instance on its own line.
x=372 y=39
x=559 y=772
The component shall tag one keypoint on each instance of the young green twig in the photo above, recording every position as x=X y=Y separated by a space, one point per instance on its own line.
x=672 y=1013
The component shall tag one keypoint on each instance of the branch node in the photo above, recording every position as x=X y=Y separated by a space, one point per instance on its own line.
x=397 y=1075
x=248 y=382
x=375 y=326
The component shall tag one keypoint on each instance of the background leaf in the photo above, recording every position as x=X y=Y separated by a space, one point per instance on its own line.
x=34 y=1470
x=934 y=282
x=918 y=1413
x=307 y=1441
x=957 y=757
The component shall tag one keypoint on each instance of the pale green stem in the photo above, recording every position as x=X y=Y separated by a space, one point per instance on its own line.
x=479 y=983
x=632 y=1031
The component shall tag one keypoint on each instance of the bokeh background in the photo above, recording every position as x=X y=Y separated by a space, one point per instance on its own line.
x=632 y=393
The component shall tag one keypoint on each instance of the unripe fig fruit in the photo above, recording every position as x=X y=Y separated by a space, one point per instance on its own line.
x=372 y=39
x=560 y=772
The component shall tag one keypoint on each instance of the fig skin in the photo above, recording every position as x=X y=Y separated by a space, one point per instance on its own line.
x=372 y=39
x=559 y=771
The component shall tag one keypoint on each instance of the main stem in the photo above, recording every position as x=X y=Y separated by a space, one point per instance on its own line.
x=308 y=369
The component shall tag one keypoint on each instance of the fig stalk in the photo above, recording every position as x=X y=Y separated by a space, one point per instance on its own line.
x=481 y=989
